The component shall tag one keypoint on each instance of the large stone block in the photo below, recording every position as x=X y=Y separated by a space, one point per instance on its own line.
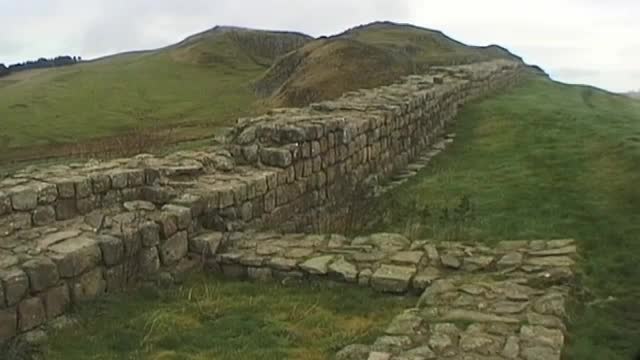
x=31 y=314
x=75 y=256
x=174 y=248
x=150 y=234
x=132 y=240
x=66 y=209
x=56 y=301
x=112 y=249
x=47 y=193
x=88 y=286
x=44 y=215
x=116 y=278
x=42 y=273
x=391 y=278
x=8 y=324
x=206 y=244
x=149 y=261
x=182 y=215
x=100 y=183
x=16 y=285
x=24 y=198
x=276 y=157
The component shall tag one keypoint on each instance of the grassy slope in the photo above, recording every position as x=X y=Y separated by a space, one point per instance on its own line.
x=547 y=161
x=215 y=319
x=203 y=80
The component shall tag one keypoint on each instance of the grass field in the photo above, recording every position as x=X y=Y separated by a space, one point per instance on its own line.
x=109 y=97
x=543 y=161
x=208 y=318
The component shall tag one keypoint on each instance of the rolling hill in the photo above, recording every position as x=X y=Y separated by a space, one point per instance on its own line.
x=193 y=89
x=363 y=57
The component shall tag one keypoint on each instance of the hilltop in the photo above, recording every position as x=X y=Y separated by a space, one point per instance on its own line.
x=197 y=87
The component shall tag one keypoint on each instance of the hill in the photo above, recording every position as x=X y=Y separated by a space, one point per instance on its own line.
x=544 y=160
x=193 y=89
x=364 y=57
x=194 y=86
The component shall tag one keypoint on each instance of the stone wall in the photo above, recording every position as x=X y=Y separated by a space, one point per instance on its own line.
x=70 y=233
x=329 y=152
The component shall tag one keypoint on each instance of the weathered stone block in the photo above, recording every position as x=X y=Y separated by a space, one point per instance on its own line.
x=116 y=278
x=24 y=198
x=16 y=285
x=206 y=244
x=75 y=256
x=119 y=179
x=344 y=270
x=181 y=213
x=112 y=249
x=150 y=233
x=276 y=157
x=87 y=204
x=149 y=261
x=174 y=248
x=56 y=301
x=168 y=225
x=66 y=189
x=135 y=178
x=8 y=324
x=31 y=314
x=47 y=193
x=66 y=209
x=100 y=183
x=392 y=278
x=42 y=273
x=44 y=215
x=317 y=265
x=88 y=286
x=83 y=187
x=131 y=239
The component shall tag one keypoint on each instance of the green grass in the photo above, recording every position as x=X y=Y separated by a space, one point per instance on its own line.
x=543 y=161
x=116 y=95
x=209 y=318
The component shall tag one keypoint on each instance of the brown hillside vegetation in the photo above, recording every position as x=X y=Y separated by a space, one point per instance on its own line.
x=363 y=57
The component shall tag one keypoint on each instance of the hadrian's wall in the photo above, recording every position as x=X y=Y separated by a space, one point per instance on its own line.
x=328 y=153
x=70 y=233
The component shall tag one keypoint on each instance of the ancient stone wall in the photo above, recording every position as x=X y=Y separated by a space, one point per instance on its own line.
x=70 y=233
x=329 y=152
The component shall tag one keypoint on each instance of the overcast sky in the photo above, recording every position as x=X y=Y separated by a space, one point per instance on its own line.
x=593 y=42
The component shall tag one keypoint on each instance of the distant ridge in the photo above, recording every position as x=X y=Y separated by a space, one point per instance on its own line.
x=204 y=82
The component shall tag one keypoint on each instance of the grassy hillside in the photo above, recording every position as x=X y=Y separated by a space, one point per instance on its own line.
x=215 y=319
x=634 y=94
x=546 y=160
x=204 y=83
x=363 y=57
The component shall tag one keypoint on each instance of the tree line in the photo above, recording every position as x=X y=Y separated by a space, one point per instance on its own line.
x=39 y=64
